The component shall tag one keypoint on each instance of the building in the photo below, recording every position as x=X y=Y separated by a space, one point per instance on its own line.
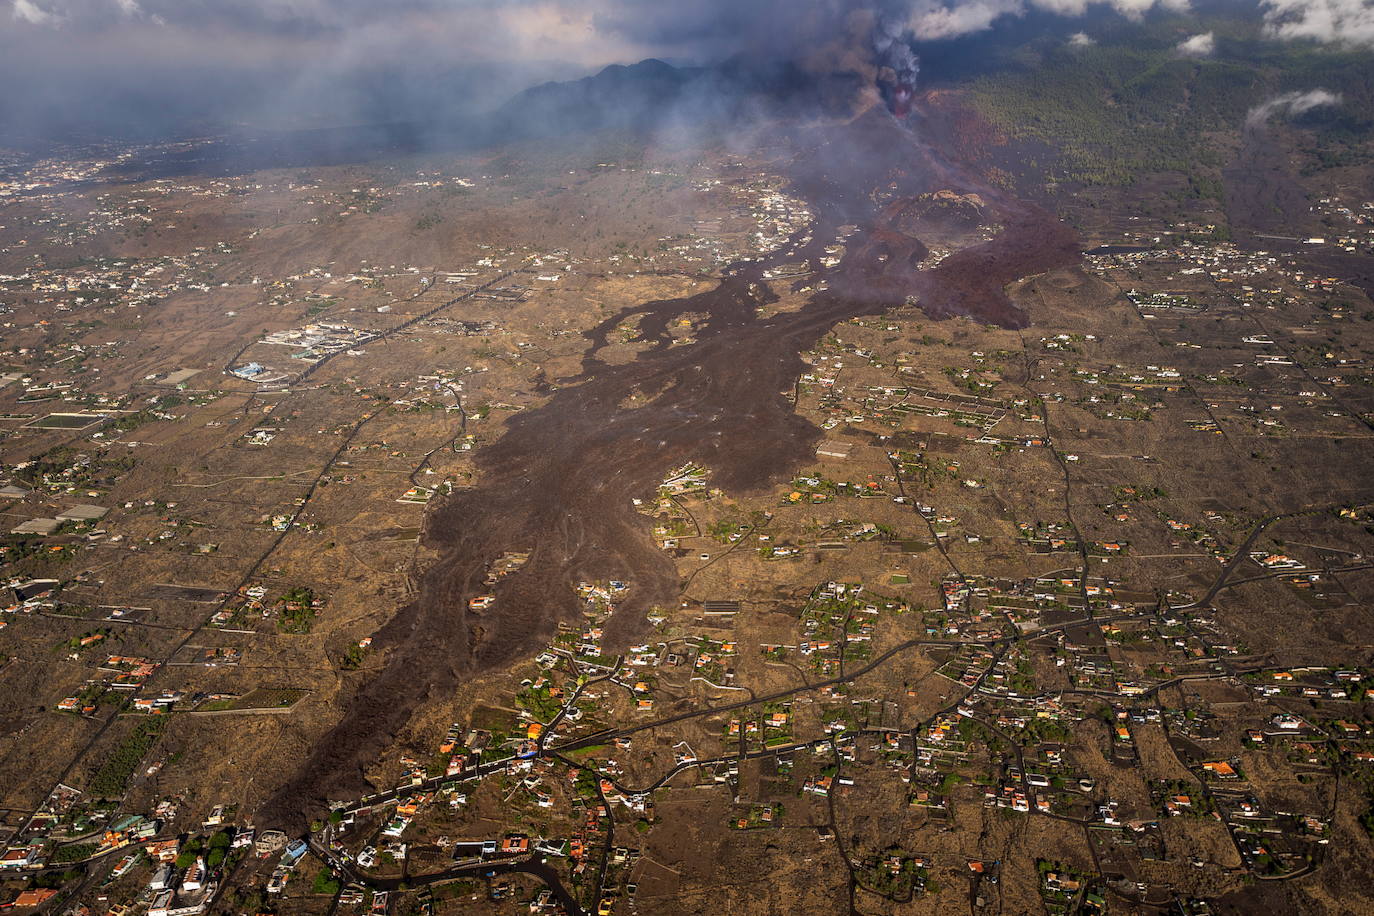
x=19 y=857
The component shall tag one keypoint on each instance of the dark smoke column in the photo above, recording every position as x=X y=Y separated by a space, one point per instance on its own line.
x=898 y=65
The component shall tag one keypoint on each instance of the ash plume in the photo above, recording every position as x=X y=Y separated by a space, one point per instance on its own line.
x=1289 y=105
x=898 y=66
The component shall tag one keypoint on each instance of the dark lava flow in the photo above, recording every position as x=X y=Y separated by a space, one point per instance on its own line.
x=560 y=481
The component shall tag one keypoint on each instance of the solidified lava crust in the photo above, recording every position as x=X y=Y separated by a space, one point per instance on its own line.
x=561 y=479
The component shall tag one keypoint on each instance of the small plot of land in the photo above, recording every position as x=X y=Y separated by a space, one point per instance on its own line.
x=261 y=698
x=195 y=593
x=67 y=421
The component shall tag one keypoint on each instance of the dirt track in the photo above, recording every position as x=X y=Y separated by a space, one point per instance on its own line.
x=560 y=481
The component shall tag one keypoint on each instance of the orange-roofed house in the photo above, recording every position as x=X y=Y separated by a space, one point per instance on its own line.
x=35 y=897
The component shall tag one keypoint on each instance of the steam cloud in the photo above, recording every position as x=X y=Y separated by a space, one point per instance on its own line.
x=1290 y=104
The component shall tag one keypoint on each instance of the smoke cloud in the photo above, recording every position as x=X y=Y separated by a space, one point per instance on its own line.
x=897 y=63
x=1289 y=105
x=92 y=68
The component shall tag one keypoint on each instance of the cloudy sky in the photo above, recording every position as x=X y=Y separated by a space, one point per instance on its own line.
x=106 y=65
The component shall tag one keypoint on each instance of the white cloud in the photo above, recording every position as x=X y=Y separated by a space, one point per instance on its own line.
x=1081 y=40
x=1345 y=22
x=1198 y=46
x=933 y=19
x=33 y=14
x=65 y=12
x=1062 y=7
x=1290 y=104
x=1133 y=10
